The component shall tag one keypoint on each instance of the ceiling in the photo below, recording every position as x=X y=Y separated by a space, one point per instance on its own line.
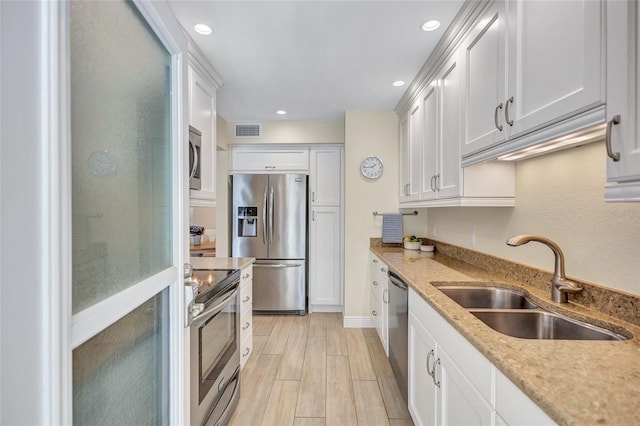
x=313 y=59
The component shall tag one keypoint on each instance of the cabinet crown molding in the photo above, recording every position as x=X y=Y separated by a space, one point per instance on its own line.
x=198 y=61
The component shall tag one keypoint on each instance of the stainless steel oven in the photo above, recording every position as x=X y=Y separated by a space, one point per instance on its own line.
x=215 y=347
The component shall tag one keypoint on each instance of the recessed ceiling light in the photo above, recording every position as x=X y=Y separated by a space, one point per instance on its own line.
x=281 y=112
x=398 y=83
x=203 y=29
x=431 y=25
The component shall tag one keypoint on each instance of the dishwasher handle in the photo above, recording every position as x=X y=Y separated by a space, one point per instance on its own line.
x=397 y=281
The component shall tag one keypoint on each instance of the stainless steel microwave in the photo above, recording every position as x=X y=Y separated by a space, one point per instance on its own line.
x=195 y=159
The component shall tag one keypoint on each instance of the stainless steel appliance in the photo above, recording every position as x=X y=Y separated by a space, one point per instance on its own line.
x=269 y=222
x=214 y=320
x=398 y=331
x=195 y=163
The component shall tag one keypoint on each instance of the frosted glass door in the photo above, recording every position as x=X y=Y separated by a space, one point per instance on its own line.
x=123 y=214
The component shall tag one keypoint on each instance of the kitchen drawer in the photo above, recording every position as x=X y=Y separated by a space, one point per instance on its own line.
x=246 y=324
x=246 y=347
x=246 y=275
x=246 y=296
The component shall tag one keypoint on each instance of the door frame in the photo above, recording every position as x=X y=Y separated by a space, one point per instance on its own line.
x=36 y=369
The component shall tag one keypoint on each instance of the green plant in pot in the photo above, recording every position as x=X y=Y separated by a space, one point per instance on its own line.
x=196 y=232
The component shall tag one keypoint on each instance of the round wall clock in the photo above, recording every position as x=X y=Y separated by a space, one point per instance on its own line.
x=371 y=167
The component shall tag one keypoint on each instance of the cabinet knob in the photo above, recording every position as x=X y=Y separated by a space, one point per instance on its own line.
x=375 y=283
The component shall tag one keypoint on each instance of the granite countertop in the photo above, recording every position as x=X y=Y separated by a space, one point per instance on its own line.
x=574 y=382
x=220 y=262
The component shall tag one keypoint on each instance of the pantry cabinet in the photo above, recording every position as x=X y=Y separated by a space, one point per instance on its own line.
x=451 y=382
x=379 y=300
x=203 y=85
x=623 y=101
x=325 y=228
x=531 y=65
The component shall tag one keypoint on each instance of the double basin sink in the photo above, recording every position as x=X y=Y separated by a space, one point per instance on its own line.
x=510 y=312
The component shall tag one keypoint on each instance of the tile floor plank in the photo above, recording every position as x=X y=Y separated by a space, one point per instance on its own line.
x=313 y=384
x=279 y=335
x=258 y=346
x=309 y=421
x=370 y=332
x=359 y=359
x=281 y=407
x=293 y=357
x=263 y=324
x=318 y=324
x=252 y=405
x=369 y=404
x=400 y=422
x=336 y=338
x=393 y=400
x=341 y=409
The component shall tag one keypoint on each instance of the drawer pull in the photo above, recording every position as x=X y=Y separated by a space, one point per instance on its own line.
x=246 y=326
x=246 y=352
x=246 y=299
x=245 y=276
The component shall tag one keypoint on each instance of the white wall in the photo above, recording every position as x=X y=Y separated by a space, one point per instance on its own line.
x=367 y=133
x=560 y=196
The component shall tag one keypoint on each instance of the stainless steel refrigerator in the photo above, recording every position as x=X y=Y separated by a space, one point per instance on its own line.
x=269 y=222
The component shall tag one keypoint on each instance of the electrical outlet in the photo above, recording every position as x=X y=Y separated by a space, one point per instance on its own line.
x=472 y=238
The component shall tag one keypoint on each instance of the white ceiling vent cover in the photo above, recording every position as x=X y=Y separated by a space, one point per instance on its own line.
x=248 y=130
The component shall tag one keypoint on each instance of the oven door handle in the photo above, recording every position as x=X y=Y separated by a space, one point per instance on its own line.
x=208 y=312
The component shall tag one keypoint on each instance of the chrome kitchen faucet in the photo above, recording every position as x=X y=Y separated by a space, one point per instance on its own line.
x=560 y=286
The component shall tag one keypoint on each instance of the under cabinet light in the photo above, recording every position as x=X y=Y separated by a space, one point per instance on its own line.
x=569 y=141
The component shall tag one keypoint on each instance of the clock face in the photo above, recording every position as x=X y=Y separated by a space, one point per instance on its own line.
x=102 y=163
x=371 y=167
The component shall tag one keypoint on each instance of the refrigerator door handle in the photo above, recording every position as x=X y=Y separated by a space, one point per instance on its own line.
x=271 y=208
x=276 y=265
x=264 y=218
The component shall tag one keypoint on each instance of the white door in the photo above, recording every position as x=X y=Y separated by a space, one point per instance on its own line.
x=423 y=393
x=91 y=332
x=430 y=151
x=324 y=270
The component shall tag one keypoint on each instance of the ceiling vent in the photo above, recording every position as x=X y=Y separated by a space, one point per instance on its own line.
x=245 y=130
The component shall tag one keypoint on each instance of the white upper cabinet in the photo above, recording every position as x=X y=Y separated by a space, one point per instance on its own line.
x=532 y=65
x=432 y=150
x=556 y=61
x=325 y=176
x=411 y=135
x=203 y=84
x=623 y=101
x=484 y=92
x=280 y=159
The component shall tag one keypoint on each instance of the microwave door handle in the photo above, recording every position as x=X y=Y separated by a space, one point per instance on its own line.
x=210 y=311
x=194 y=167
x=264 y=217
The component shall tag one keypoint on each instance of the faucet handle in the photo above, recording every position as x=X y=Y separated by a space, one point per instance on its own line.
x=561 y=288
x=567 y=286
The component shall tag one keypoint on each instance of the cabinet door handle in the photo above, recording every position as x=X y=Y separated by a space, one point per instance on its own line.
x=313 y=196
x=495 y=117
x=431 y=183
x=375 y=283
x=385 y=299
x=374 y=313
x=437 y=182
x=246 y=325
x=429 y=356
x=615 y=156
x=375 y=260
x=314 y=216
x=506 y=111
x=435 y=365
x=383 y=270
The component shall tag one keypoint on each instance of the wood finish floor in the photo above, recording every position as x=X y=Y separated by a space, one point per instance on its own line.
x=310 y=371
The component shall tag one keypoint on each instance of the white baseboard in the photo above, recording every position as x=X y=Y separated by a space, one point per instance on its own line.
x=358 y=322
x=325 y=308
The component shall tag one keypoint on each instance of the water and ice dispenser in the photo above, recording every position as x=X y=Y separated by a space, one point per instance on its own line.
x=247 y=221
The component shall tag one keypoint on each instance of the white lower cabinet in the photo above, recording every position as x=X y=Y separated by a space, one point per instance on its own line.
x=380 y=300
x=246 y=313
x=451 y=383
x=325 y=272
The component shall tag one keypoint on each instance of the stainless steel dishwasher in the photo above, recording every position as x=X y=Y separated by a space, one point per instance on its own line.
x=398 y=331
